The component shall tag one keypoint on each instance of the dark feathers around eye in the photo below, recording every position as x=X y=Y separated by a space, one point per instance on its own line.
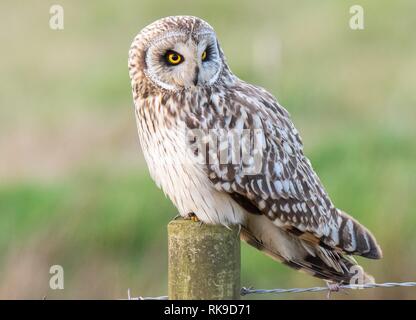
x=210 y=50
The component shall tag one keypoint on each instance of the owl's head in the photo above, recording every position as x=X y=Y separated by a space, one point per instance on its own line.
x=176 y=53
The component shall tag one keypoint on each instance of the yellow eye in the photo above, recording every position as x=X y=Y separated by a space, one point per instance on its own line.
x=204 y=55
x=173 y=58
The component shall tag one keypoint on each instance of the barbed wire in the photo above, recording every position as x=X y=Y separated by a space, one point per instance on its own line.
x=330 y=288
x=246 y=291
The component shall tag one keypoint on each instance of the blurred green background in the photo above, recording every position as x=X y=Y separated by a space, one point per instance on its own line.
x=74 y=188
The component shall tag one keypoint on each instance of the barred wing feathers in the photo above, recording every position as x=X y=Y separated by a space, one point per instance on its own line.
x=287 y=190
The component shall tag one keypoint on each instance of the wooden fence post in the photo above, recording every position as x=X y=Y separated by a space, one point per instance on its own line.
x=204 y=261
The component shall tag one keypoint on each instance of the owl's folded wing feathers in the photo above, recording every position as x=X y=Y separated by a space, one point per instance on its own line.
x=286 y=190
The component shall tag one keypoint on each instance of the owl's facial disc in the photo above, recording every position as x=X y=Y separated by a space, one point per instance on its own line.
x=176 y=61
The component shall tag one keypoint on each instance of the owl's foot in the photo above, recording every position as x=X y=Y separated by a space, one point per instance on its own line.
x=193 y=217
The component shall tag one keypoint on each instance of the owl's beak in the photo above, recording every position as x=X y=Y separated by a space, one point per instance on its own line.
x=196 y=76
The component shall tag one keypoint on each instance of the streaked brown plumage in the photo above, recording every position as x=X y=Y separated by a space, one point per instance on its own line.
x=282 y=207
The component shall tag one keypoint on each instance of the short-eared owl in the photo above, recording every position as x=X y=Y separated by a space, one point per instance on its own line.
x=182 y=86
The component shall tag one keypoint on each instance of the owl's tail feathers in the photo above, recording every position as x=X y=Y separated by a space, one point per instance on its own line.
x=356 y=239
x=302 y=255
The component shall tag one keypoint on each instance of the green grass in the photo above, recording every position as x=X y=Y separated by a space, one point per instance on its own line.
x=74 y=190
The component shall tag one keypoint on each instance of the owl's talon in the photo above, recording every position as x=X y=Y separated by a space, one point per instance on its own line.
x=194 y=218
x=239 y=229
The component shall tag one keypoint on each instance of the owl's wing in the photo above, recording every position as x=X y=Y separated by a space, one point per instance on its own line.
x=285 y=189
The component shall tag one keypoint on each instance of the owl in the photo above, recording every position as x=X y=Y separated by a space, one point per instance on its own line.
x=226 y=152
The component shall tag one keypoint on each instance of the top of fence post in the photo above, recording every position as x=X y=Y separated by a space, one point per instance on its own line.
x=204 y=261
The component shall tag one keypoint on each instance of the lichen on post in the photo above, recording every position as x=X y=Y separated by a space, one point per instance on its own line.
x=204 y=261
